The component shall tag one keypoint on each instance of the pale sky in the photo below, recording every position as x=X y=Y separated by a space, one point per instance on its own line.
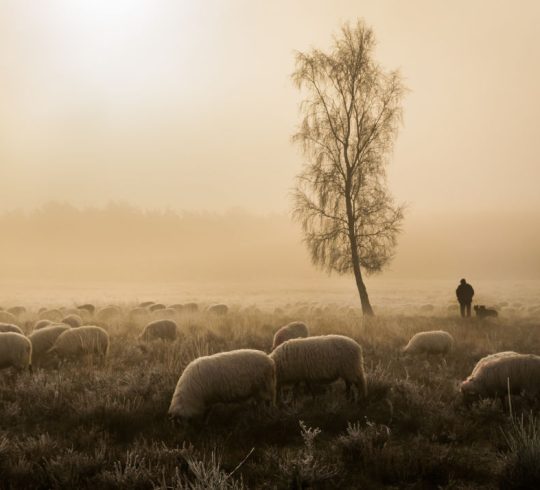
x=188 y=104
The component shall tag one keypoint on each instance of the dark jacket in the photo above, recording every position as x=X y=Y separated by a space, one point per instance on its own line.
x=465 y=293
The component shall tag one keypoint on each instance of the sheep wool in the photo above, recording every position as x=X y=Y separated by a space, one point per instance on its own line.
x=52 y=315
x=44 y=338
x=7 y=317
x=73 y=320
x=77 y=342
x=225 y=377
x=431 y=342
x=218 y=309
x=321 y=359
x=42 y=324
x=293 y=330
x=108 y=313
x=493 y=375
x=9 y=327
x=160 y=329
x=15 y=350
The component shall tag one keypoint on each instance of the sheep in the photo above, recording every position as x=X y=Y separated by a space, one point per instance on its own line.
x=159 y=329
x=177 y=307
x=53 y=315
x=191 y=307
x=225 y=377
x=108 y=313
x=494 y=375
x=138 y=314
x=431 y=342
x=218 y=309
x=44 y=338
x=483 y=312
x=80 y=341
x=42 y=324
x=321 y=359
x=293 y=330
x=72 y=320
x=17 y=310
x=146 y=304
x=15 y=350
x=7 y=317
x=90 y=308
x=156 y=306
x=9 y=327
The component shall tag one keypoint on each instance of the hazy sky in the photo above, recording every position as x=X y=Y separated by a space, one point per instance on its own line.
x=188 y=104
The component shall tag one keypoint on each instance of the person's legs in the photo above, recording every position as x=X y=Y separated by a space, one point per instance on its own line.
x=462 y=309
x=468 y=309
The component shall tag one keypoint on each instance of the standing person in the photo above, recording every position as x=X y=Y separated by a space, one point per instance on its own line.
x=465 y=293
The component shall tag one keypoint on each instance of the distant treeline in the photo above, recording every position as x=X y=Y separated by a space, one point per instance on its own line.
x=120 y=242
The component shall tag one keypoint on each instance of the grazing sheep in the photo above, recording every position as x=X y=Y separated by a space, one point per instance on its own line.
x=77 y=342
x=138 y=314
x=160 y=329
x=321 y=359
x=15 y=350
x=90 y=308
x=42 y=324
x=7 y=317
x=432 y=342
x=108 y=313
x=9 y=327
x=177 y=307
x=494 y=374
x=44 y=338
x=53 y=315
x=17 y=310
x=157 y=306
x=225 y=377
x=218 y=309
x=73 y=321
x=191 y=307
x=293 y=330
x=146 y=304
x=483 y=312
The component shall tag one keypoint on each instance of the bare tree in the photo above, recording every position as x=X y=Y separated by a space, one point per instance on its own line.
x=351 y=113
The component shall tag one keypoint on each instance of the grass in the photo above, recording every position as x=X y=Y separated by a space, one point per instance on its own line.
x=85 y=425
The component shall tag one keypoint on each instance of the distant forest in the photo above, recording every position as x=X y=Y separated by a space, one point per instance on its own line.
x=120 y=242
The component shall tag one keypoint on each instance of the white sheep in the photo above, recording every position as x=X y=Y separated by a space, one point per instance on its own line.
x=156 y=306
x=72 y=320
x=321 y=359
x=293 y=330
x=44 y=338
x=54 y=315
x=88 y=307
x=77 y=342
x=224 y=377
x=494 y=375
x=138 y=314
x=431 y=342
x=108 y=313
x=7 y=317
x=218 y=309
x=165 y=314
x=17 y=310
x=9 y=327
x=42 y=324
x=159 y=329
x=15 y=350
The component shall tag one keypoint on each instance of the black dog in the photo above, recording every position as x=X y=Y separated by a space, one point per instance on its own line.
x=483 y=312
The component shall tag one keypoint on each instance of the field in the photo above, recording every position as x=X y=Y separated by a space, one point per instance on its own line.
x=87 y=425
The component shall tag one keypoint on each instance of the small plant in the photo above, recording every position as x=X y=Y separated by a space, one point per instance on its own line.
x=522 y=469
x=362 y=444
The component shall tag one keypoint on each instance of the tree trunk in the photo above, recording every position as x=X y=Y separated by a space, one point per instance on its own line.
x=367 y=310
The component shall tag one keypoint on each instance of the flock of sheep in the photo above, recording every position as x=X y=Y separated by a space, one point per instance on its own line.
x=296 y=358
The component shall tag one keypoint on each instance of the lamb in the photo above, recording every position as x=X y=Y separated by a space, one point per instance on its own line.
x=43 y=339
x=77 y=342
x=42 y=324
x=293 y=330
x=495 y=374
x=15 y=350
x=225 y=377
x=9 y=327
x=218 y=309
x=159 y=329
x=72 y=320
x=431 y=342
x=7 y=317
x=483 y=312
x=321 y=359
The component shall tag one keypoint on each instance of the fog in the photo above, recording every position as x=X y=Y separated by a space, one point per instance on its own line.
x=187 y=108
